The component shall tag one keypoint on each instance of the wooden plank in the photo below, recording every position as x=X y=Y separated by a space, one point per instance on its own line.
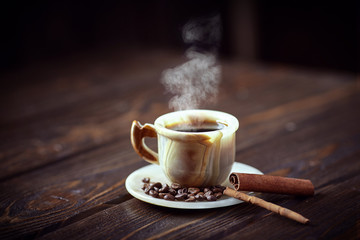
x=44 y=87
x=287 y=116
x=333 y=201
x=49 y=198
x=66 y=152
x=315 y=139
x=137 y=220
x=82 y=126
x=102 y=113
x=54 y=194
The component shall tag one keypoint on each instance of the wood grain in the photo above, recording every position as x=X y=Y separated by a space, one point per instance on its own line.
x=65 y=151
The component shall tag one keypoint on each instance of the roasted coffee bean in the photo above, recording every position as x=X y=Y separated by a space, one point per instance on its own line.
x=169 y=197
x=181 y=196
x=153 y=193
x=217 y=190
x=218 y=195
x=145 y=186
x=155 y=185
x=172 y=191
x=193 y=190
x=162 y=195
x=179 y=193
x=208 y=193
x=147 y=189
x=182 y=190
x=151 y=186
x=190 y=199
x=146 y=180
x=211 y=198
x=175 y=186
x=165 y=188
x=200 y=196
x=206 y=190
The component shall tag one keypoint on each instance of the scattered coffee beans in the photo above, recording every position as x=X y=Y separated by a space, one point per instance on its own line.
x=176 y=192
x=146 y=180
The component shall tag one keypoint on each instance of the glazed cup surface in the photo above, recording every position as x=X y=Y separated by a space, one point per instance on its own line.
x=193 y=158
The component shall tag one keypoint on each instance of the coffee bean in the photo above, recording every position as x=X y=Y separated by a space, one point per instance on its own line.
x=182 y=190
x=194 y=190
x=162 y=195
x=146 y=180
x=217 y=190
x=172 y=191
x=145 y=186
x=169 y=197
x=181 y=196
x=190 y=199
x=154 y=185
x=211 y=198
x=175 y=186
x=164 y=189
x=153 y=193
x=147 y=189
x=208 y=193
x=200 y=196
x=218 y=195
x=179 y=193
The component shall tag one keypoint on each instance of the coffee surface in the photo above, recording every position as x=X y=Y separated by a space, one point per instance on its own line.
x=201 y=127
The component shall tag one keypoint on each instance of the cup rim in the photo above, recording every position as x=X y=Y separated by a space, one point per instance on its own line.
x=222 y=117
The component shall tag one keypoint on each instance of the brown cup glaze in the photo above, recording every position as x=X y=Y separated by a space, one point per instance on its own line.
x=188 y=157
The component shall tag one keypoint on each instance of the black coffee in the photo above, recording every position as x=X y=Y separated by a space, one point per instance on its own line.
x=196 y=130
x=203 y=127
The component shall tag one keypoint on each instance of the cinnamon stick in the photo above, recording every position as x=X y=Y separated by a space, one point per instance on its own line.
x=267 y=205
x=271 y=184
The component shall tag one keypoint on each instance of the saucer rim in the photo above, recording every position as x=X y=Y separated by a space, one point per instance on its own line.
x=133 y=185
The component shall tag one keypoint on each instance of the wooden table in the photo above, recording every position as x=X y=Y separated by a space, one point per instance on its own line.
x=65 y=149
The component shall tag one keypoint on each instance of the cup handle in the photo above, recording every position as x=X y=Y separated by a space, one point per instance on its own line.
x=137 y=134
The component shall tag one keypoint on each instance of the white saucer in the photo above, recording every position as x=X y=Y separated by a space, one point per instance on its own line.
x=134 y=184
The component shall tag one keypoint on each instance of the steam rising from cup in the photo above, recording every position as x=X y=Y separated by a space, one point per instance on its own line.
x=197 y=80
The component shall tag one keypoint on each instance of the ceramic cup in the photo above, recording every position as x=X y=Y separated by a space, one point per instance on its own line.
x=195 y=147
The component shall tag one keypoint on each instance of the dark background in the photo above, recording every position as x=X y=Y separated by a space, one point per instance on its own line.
x=314 y=34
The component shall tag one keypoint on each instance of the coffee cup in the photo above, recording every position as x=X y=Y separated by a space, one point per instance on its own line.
x=195 y=147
